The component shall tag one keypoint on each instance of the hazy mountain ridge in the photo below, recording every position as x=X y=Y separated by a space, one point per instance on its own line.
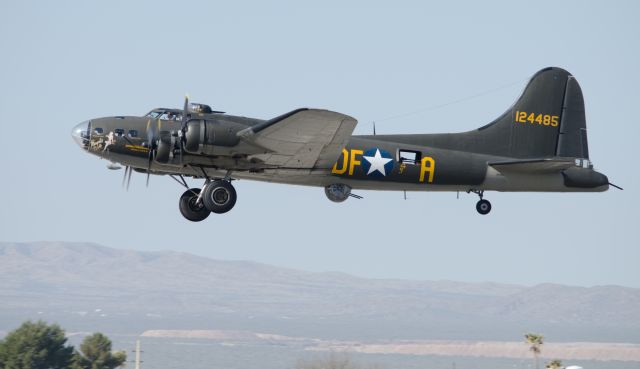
x=82 y=277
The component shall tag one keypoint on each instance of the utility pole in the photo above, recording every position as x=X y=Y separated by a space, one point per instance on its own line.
x=137 y=351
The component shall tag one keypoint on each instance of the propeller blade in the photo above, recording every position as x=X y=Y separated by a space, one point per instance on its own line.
x=148 y=173
x=149 y=133
x=151 y=151
x=124 y=177
x=185 y=112
x=181 y=134
x=129 y=178
x=151 y=143
x=186 y=106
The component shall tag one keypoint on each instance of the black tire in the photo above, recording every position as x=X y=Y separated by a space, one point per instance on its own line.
x=189 y=209
x=483 y=207
x=219 y=197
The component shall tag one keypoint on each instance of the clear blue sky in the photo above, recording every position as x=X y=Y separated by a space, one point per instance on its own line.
x=64 y=62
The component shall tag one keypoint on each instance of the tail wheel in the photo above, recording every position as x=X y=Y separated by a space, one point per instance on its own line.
x=483 y=207
x=219 y=196
x=190 y=208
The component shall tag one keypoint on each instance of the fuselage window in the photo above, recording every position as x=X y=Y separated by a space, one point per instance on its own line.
x=133 y=133
x=119 y=132
x=98 y=131
x=409 y=156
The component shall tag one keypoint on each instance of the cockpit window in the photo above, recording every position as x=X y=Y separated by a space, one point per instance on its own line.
x=171 y=116
x=165 y=114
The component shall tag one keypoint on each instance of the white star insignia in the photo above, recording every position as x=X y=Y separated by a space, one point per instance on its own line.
x=377 y=163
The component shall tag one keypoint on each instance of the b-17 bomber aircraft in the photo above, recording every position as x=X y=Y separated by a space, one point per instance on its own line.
x=538 y=144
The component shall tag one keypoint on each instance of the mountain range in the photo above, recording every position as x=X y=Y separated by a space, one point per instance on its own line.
x=82 y=283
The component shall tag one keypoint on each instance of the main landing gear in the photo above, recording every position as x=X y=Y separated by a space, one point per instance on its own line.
x=191 y=208
x=219 y=196
x=482 y=206
x=216 y=196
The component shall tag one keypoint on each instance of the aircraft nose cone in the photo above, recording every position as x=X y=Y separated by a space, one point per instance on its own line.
x=81 y=134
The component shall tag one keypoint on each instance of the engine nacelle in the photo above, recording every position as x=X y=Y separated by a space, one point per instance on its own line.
x=337 y=192
x=203 y=136
x=165 y=145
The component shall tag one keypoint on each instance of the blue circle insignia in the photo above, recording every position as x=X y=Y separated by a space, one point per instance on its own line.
x=377 y=162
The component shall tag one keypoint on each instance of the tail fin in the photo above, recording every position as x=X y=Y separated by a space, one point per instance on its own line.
x=548 y=120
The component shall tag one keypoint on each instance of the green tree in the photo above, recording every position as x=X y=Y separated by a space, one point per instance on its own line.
x=554 y=364
x=535 y=342
x=36 y=346
x=95 y=353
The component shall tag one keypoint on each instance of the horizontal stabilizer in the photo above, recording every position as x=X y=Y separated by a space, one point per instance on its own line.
x=534 y=165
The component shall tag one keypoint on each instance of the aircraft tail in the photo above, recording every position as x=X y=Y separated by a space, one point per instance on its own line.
x=548 y=120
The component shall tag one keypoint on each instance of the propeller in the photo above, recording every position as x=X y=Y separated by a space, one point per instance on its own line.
x=152 y=143
x=183 y=130
x=164 y=140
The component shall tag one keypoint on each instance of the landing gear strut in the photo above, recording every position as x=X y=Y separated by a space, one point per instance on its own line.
x=482 y=206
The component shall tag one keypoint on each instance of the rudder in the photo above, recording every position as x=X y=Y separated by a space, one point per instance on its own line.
x=572 y=137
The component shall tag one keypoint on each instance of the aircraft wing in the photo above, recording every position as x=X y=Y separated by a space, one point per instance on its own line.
x=303 y=138
x=533 y=165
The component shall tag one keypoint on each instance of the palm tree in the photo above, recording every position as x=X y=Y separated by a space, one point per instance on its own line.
x=535 y=342
x=554 y=364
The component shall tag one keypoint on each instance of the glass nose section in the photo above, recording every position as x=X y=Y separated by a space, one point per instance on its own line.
x=81 y=134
